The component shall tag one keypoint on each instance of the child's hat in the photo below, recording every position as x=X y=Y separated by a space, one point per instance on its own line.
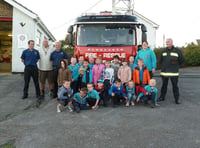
x=100 y=81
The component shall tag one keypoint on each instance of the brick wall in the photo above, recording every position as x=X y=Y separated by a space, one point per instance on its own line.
x=5 y=9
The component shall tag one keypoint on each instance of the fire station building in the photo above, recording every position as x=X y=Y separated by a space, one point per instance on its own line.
x=18 y=24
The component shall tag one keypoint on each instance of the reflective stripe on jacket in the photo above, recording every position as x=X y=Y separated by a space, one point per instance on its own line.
x=170 y=61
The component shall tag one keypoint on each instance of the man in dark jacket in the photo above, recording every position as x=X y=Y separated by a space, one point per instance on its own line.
x=56 y=56
x=171 y=59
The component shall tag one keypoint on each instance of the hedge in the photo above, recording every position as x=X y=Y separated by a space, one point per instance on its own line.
x=158 y=54
x=192 y=55
x=69 y=51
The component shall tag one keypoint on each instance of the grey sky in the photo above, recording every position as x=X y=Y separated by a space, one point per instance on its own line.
x=178 y=19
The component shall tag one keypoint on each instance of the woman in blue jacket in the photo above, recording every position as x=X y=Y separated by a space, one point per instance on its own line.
x=148 y=56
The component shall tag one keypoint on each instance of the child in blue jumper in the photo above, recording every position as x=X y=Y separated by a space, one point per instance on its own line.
x=116 y=91
x=151 y=94
x=130 y=89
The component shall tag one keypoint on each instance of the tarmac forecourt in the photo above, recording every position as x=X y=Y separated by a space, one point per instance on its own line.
x=24 y=125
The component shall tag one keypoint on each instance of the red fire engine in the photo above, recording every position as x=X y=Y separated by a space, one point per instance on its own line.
x=106 y=36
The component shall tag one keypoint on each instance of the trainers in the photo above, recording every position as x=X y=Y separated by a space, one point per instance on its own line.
x=154 y=105
x=132 y=104
x=127 y=104
x=58 y=109
x=70 y=109
x=157 y=105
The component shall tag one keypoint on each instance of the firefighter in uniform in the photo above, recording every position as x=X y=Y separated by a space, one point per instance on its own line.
x=171 y=59
x=30 y=58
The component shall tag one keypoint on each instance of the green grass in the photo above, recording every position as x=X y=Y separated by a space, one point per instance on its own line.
x=7 y=146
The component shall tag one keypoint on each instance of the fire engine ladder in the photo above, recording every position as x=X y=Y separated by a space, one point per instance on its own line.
x=123 y=7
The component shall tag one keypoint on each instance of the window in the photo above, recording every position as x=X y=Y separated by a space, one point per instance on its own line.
x=106 y=35
x=38 y=38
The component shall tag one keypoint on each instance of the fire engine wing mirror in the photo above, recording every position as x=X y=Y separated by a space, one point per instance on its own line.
x=143 y=28
x=70 y=39
x=70 y=29
x=144 y=36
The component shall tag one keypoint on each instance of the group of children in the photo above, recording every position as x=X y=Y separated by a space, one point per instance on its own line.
x=90 y=83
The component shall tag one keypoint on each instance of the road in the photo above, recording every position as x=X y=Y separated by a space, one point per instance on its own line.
x=24 y=125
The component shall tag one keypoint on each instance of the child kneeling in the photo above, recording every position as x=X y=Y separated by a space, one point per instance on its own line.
x=65 y=94
x=151 y=94
x=100 y=89
x=130 y=89
x=93 y=96
x=116 y=91
x=79 y=101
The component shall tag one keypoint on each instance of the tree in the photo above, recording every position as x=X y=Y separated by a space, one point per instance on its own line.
x=65 y=42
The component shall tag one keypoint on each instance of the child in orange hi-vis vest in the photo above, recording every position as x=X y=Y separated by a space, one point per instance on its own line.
x=141 y=76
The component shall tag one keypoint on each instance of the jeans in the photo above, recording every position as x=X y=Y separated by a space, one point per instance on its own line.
x=77 y=106
x=151 y=97
x=131 y=97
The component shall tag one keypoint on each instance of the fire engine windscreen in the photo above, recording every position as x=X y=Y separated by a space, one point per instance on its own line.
x=106 y=35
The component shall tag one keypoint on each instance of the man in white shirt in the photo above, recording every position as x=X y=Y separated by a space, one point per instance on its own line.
x=45 y=67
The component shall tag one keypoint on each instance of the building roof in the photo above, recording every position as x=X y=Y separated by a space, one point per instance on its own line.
x=146 y=19
x=31 y=14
